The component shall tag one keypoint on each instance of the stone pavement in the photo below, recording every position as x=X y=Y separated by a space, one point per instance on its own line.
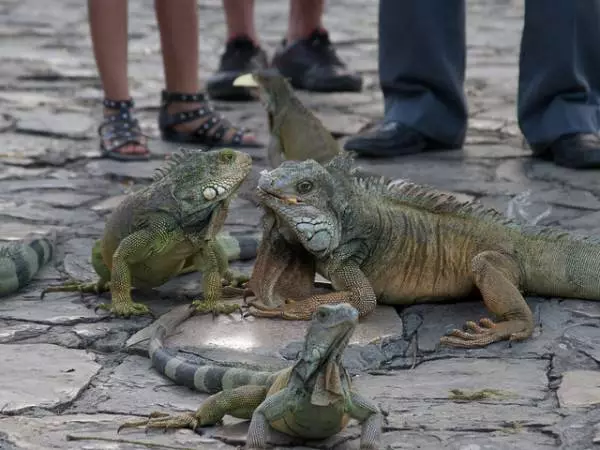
x=66 y=370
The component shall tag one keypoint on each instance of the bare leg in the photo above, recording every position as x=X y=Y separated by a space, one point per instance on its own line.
x=178 y=24
x=239 y=15
x=108 y=29
x=305 y=17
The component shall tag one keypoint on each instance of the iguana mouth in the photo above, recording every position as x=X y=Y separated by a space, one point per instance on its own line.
x=289 y=199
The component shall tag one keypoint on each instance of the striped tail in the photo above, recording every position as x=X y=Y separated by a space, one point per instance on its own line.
x=239 y=246
x=210 y=379
x=20 y=261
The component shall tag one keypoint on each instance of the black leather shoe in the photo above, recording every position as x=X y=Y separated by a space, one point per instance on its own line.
x=393 y=139
x=241 y=56
x=576 y=151
x=313 y=64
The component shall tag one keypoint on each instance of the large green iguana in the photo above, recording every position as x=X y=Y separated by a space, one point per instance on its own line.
x=295 y=132
x=20 y=261
x=401 y=243
x=313 y=399
x=170 y=227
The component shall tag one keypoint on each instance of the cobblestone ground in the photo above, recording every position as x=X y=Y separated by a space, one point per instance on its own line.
x=66 y=370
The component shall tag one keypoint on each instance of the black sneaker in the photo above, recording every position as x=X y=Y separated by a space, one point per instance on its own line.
x=241 y=56
x=313 y=64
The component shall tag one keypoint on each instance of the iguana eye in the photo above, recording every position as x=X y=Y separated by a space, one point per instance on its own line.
x=226 y=156
x=321 y=314
x=304 y=186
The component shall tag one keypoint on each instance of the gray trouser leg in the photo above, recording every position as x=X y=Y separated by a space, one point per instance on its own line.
x=559 y=76
x=422 y=66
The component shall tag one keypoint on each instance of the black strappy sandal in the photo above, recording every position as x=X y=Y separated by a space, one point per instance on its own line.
x=210 y=133
x=121 y=129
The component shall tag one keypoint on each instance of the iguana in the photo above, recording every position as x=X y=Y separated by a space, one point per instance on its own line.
x=170 y=227
x=402 y=243
x=20 y=261
x=295 y=132
x=313 y=399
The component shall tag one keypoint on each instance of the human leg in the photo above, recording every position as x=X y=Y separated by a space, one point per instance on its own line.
x=307 y=57
x=186 y=114
x=421 y=71
x=559 y=81
x=242 y=53
x=120 y=134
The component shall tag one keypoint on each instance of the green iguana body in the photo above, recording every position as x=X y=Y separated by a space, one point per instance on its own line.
x=20 y=261
x=170 y=227
x=295 y=132
x=313 y=399
x=401 y=243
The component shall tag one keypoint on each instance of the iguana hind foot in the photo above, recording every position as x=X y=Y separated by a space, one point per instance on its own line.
x=164 y=421
x=486 y=332
x=97 y=287
x=216 y=308
x=290 y=310
x=125 y=308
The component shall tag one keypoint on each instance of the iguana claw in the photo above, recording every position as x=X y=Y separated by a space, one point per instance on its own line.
x=291 y=310
x=164 y=421
x=485 y=333
x=126 y=309
x=216 y=308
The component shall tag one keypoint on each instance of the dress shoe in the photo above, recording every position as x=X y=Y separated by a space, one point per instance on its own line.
x=576 y=151
x=312 y=64
x=393 y=139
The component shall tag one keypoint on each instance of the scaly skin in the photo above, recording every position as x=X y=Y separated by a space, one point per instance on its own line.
x=295 y=132
x=20 y=261
x=313 y=399
x=170 y=227
x=400 y=243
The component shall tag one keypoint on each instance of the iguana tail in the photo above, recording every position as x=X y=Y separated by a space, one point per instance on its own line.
x=239 y=246
x=20 y=261
x=210 y=379
x=563 y=267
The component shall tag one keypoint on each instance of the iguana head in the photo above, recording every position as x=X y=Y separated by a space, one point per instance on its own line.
x=319 y=365
x=300 y=194
x=273 y=88
x=200 y=180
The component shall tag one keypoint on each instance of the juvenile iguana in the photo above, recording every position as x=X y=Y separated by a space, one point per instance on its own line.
x=401 y=243
x=313 y=399
x=170 y=227
x=295 y=132
x=20 y=261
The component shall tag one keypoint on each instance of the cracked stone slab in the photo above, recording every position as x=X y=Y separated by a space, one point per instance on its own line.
x=259 y=341
x=140 y=170
x=53 y=123
x=51 y=432
x=42 y=375
x=55 y=309
x=520 y=382
x=579 y=388
x=133 y=387
x=19 y=331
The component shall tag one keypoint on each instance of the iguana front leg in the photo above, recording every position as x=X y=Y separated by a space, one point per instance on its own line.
x=371 y=419
x=239 y=402
x=354 y=288
x=497 y=277
x=273 y=408
x=208 y=261
x=132 y=249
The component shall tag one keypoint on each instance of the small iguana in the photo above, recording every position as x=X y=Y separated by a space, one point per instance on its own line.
x=20 y=261
x=313 y=399
x=295 y=132
x=402 y=243
x=170 y=227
